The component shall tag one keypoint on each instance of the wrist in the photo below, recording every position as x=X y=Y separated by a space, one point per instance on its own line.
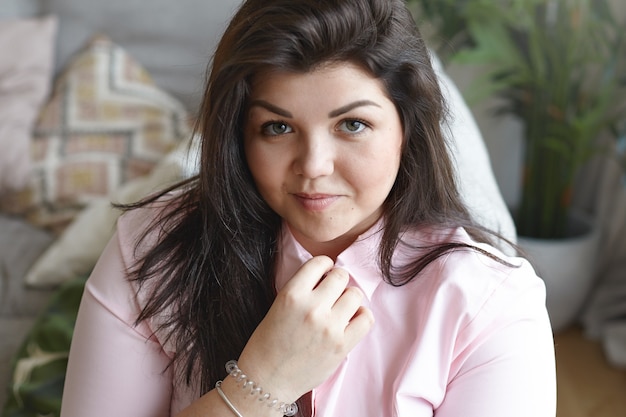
x=256 y=392
x=271 y=379
x=240 y=392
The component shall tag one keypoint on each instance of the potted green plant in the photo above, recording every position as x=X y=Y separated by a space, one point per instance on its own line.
x=559 y=66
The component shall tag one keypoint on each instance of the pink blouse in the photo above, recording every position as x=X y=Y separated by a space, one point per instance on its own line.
x=469 y=337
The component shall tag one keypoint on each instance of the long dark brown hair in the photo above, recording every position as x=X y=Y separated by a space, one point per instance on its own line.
x=212 y=268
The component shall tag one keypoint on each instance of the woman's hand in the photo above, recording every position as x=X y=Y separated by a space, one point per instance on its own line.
x=310 y=328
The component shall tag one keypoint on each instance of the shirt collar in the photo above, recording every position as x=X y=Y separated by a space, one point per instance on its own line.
x=360 y=259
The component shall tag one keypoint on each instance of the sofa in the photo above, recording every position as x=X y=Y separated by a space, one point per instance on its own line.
x=97 y=100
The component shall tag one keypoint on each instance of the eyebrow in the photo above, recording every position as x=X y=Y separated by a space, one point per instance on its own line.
x=348 y=107
x=341 y=110
x=269 y=106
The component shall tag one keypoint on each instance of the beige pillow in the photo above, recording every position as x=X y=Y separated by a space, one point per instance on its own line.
x=106 y=123
x=26 y=67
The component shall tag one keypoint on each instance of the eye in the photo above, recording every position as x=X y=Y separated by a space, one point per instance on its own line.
x=276 y=128
x=353 y=126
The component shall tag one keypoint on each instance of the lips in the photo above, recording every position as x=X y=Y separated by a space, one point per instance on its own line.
x=316 y=202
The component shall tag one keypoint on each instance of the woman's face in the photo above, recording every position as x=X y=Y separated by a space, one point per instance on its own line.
x=324 y=150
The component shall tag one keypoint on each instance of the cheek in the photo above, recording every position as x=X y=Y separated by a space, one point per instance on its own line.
x=375 y=176
x=265 y=170
x=385 y=175
x=385 y=167
x=255 y=160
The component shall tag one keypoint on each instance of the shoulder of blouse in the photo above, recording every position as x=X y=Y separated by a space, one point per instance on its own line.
x=476 y=280
x=135 y=230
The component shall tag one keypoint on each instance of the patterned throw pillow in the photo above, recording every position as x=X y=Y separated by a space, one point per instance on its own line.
x=105 y=124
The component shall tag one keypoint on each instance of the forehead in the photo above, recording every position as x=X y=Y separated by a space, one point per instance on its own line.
x=330 y=81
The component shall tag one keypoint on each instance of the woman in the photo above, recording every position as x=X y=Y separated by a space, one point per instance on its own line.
x=323 y=245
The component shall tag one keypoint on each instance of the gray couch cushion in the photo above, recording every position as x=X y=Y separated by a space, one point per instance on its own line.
x=173 y=40
x=11 y=9
x=20 y=245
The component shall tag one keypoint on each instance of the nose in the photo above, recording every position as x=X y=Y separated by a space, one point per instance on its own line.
x=316 y=157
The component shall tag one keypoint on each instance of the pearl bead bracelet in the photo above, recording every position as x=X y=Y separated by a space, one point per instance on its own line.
x=233 y=370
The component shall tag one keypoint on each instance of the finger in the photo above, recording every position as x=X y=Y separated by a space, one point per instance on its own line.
x=359 y=326
x=310 y=273
x=347 y=304
x=332 y=286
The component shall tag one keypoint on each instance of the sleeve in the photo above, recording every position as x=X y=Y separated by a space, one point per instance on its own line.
x=509 y=368
x=115 y=368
